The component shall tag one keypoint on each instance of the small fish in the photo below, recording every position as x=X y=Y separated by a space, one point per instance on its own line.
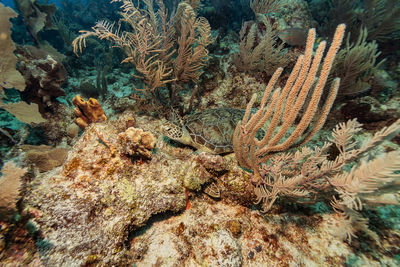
x=294 y=36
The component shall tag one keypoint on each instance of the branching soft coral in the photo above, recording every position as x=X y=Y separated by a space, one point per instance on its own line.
x=307 y=175
x=355 y=64
x=258 y=50
x=163 y=50
x=380 y=17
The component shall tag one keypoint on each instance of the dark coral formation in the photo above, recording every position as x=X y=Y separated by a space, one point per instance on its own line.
x=44 y=76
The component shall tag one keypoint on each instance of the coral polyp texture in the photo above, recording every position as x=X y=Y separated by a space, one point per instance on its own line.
x=199 y=133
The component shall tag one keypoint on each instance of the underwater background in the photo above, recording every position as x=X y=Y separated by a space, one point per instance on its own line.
x=199 y=133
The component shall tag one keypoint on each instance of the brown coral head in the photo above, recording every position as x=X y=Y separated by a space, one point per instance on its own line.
x=135 y=141
x=148 y=140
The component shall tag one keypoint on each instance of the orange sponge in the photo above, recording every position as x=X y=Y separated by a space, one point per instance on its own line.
x=87 y=112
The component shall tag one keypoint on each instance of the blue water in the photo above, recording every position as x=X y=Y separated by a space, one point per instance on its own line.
x=10 y=3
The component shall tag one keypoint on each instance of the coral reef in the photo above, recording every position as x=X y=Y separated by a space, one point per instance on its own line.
x=72 y=130
x=44 y=76
x=294 y=14
x=355 y=65
x=43 y=157
x=79 y=188
x=37 y=16
x=258 y=48
x=10 y=185
x=136 y=141
x=27 y=113
x=284 y=106
x=235 y=90
x=9 y=76
x=217 y=234
x=104 y=196
x=17 y=246
x=173 y=50
x=108 y=195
